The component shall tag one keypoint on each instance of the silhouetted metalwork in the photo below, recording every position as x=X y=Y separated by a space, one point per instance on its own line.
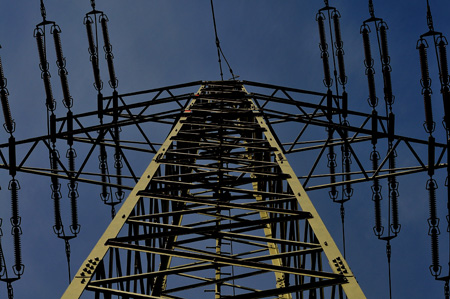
x=219 y=208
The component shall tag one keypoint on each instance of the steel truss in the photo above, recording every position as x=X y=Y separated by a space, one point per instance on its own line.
x=219 y=209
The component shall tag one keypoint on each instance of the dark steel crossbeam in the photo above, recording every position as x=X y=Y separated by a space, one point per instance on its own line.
x=291 y=289
x=181 y=230
x=223 y=260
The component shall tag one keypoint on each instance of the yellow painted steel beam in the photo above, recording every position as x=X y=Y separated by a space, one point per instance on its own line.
x=334 y=256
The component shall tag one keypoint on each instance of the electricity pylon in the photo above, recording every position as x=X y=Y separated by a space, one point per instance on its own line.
x=219 y=209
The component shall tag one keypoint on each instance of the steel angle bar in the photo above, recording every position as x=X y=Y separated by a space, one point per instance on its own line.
x=230 y=157
x=334 y=143
x=291 y=289
x=354 y=155
x=223 y=169
x=65 y=177
x=416 y=155
x=353 y=181
x=176 y=213
x=138 y=126
x=286 y=196
x=271 y=95
x=224 y=145
x=27 y=155
x=369 y=132
x=284 y=254
x=209 y=281
x=303 y=130
x=184 y=230
x=269 y=239
x=159 y=90
x=386 y=158
x=125 y=294
x=107 y=143
x=141 y=105
x=298 y=106
x=124 y=157
x=326 y=175
x=316 y=162
x=297 y=103
x=288 y=89
x=86 y=159
x=190 y=228
x=231 y=127
x=330 y=249
x=171 y=271
x=225 y=140
x=245 y=206
x=223 y=260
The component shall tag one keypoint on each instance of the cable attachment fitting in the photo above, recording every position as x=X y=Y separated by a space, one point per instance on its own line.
x=447 y=290
x=93 y=4
x=10 y=290
x=429 y=17
x=371 y=9
x=43 y=12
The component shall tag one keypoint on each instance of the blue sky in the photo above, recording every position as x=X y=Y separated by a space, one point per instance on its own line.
x=159 y=43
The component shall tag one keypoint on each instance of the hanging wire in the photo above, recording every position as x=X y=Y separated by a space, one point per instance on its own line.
x=219 y=48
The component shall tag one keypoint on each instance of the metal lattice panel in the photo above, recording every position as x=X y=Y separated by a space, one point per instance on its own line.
x=218 y=205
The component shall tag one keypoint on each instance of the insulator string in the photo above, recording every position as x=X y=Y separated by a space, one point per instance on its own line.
x=440 y=44
x=370 y=71
x=323 y=45
x=45 y=73
x=113 y=82
x=98 y=84
x=62 y=71
x=377 y=195
x=339 y=48
x=92 y=35
x=393 y=193
x=14 y=187
x=333 y=193
x=4 y=93
x=385 y=62
x=39 y=34
x=339 y=74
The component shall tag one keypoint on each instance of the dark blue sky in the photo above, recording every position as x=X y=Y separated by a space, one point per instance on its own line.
x=158 y=43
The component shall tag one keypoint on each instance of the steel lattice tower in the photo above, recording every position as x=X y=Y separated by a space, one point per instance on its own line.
x=218 y=208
